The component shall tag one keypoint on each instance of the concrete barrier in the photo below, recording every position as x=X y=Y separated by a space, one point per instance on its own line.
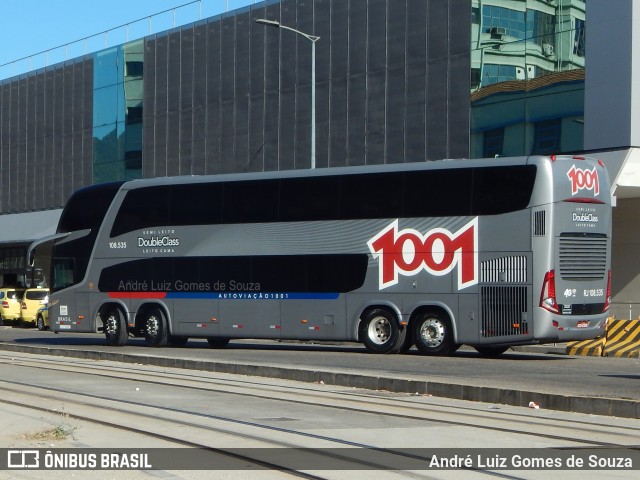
x=622 y=339
x=587 y=348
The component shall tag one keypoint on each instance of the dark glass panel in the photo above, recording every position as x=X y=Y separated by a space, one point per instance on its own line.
x=87 y=207
x=371 y=196
x=306 y=198
x=250 y=201
x=438 y=193
x=274 y=274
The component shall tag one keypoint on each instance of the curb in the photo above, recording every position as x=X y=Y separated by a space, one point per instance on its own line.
x=615 y=407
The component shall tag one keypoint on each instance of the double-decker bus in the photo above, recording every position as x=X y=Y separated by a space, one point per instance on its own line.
x=489 y=253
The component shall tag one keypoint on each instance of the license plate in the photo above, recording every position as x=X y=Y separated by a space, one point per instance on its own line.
x=582 y=324
x=65 y=327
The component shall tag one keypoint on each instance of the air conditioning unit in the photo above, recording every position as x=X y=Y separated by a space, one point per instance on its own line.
x=548 y=50
x=498 y=31
x=520 y=74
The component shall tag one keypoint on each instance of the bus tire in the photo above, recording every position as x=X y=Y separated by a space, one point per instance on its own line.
x=380 y=332
x=433 y=333
x=156 y=332
x=217 y=342
x=489 y=351
x=408 y=342
x=115 y=328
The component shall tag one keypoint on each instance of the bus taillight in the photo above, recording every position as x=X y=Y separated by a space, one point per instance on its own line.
x=548 y=294
x=607 y=298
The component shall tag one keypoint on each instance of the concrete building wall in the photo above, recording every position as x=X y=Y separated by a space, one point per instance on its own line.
x=612 y=83
x=625 y=280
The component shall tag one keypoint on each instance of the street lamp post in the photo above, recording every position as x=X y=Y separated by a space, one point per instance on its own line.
x=313 y=39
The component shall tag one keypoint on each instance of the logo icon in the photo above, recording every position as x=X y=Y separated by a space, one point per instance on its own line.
x=23 y=459
x=438 y=251
x=583 y=179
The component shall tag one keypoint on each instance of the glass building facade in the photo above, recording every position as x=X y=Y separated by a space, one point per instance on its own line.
x=396 y=82
x=527 y=77
x=117 y=112
x=228 y=95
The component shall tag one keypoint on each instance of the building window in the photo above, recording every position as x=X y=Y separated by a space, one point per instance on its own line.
x=546 y=139
x=117 y=122
x=493 y=142
x=133 y=160
x=475 y=15
x=513 y=21
x=493 y=73
x=133 y=69
x=134 y=115
x=541 y=28
x=475 y=78
x=578 y=42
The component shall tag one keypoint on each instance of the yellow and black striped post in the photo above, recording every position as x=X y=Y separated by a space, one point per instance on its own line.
x=623 y=339
x=587 y=348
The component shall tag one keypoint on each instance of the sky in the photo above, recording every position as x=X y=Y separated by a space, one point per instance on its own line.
x=29 y=27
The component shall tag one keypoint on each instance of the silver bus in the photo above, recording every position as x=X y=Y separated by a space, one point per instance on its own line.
x=488 y=253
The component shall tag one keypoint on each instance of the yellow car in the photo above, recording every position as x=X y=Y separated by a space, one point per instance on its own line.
x=32 y=301
x=42 y=318
x=10 y=304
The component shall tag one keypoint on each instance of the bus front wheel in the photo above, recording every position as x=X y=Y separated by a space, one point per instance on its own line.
x=155 y=332
x=433 y=334
x=380 y=332
x=115 y=328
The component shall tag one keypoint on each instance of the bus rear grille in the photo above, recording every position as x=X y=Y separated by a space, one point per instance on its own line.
x=539 y=223
x=502 y=311
x=582 y=257
x=504 y=270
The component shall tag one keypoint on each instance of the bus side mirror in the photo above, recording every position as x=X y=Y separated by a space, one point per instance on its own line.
x=32 y=257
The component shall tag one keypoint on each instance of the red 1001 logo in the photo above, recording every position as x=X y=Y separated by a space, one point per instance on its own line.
x=583 y=179
x=438 y=251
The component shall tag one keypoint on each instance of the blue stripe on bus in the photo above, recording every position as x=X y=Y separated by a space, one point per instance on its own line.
x=255 y=295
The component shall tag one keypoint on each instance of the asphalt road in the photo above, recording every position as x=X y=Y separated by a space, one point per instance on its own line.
x=111 y=406
x=518 y=376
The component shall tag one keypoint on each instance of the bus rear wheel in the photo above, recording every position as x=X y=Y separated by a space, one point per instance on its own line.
x=115 y=328
x=380 y=332
x=155 y=332
x=433 y=333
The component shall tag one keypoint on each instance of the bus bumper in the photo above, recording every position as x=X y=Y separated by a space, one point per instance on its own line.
x=559 y=328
